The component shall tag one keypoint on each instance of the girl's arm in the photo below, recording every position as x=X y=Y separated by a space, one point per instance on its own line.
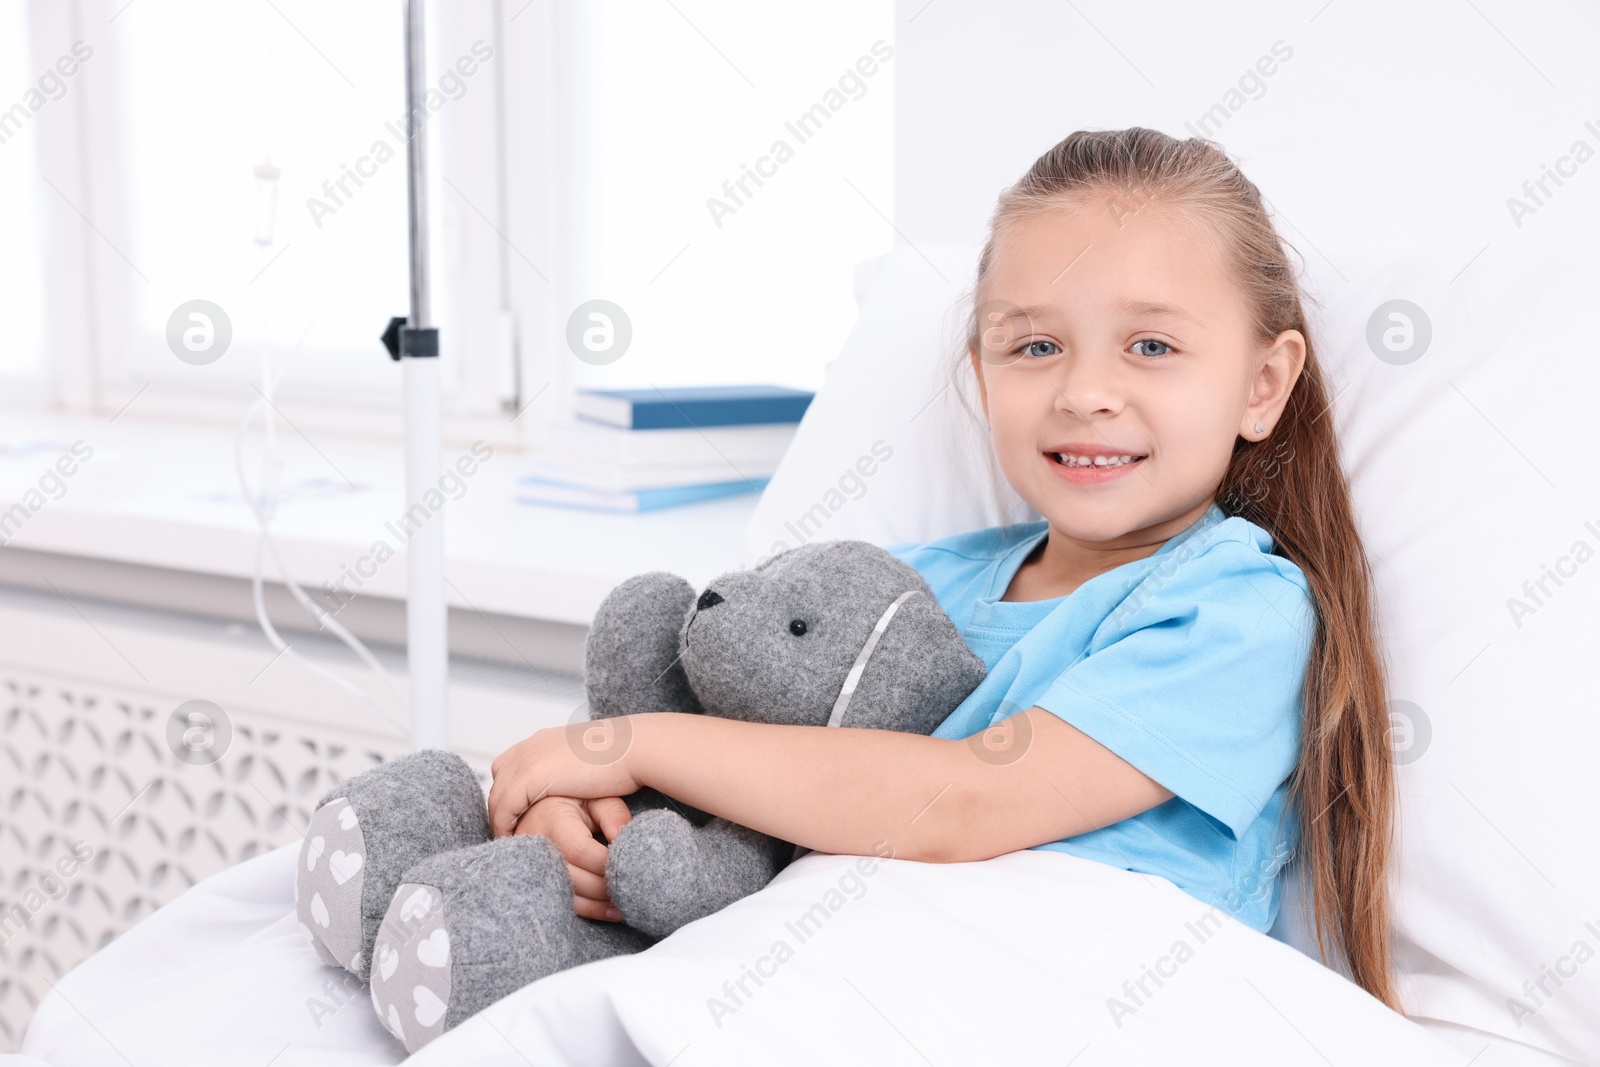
x=850 y=791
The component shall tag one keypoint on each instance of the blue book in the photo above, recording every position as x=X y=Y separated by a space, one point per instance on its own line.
x=542 y=491
x=692 y=406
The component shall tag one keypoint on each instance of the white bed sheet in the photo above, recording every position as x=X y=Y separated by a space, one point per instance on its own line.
x=1013 y=960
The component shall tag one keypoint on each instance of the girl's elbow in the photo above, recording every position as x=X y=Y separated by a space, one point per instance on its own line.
x=932 y=848
x=961 y=844
x=970 y=852
x=973 y=841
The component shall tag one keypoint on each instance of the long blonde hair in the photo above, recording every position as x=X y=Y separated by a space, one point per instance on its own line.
x=1293 y=486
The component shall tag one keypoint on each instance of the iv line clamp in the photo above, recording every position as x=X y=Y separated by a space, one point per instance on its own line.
x=402 y=340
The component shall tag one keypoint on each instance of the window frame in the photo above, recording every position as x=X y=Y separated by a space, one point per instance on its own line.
x=489 y=331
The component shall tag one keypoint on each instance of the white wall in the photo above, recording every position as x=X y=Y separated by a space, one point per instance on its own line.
x=1389 y=123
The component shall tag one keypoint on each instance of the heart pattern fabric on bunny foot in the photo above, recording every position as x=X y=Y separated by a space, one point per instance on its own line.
x=328 y=883
x=467 y=927
x=411 y=966
x=366 y=832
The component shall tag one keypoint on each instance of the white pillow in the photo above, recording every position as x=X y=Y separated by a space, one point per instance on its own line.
x=1471 y=472
x=885 y=453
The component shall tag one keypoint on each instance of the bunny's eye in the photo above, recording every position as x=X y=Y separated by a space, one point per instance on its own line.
x=797 y=627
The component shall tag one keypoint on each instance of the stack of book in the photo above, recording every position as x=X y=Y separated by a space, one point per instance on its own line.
x=635 y=450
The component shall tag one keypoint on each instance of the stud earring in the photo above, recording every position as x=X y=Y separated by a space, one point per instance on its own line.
x=1260 y=428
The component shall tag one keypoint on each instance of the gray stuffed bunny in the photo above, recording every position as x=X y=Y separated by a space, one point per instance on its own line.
x=400 y=880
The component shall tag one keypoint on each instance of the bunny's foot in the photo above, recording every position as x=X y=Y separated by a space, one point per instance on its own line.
x=363 y=836
x=466 y=928
x=664 y=872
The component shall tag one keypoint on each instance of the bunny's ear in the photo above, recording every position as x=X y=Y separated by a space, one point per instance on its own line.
x=630 y=658
x=919 y=672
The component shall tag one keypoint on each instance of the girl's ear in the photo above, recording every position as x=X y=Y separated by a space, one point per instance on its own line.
x=1274 y=380
x=977 y=372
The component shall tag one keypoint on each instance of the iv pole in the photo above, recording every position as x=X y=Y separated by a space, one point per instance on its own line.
x=427 y=632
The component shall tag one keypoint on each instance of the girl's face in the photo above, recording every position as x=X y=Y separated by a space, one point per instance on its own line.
x=1116 y=332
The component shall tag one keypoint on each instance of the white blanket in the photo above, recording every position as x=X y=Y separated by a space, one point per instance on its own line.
x=1033 y=957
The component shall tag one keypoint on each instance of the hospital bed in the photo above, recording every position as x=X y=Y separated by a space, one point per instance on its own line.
x=1472 y=485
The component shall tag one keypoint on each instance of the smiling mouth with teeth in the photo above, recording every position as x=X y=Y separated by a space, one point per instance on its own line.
x=1068 y=460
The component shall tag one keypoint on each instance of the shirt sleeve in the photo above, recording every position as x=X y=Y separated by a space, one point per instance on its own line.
x=1196 y=680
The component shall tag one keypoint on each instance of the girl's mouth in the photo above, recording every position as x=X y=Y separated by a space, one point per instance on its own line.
x=1089 y=470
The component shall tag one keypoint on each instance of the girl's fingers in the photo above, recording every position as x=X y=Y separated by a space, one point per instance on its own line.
x=497 y=795
x=589 y=886
x=509 y=798
x=611 y=813
x=578 y=845
x=603 y=910
x=506 y=805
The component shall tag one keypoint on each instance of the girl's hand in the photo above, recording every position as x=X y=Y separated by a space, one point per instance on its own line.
x=570 y=825
x=585 y=760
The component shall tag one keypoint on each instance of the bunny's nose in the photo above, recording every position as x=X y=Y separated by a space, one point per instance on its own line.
x=709 y=599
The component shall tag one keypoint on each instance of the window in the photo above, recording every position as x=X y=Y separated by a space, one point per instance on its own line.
x=210 y=92
x=253 y=157
x=627 y=151
x=20 y=266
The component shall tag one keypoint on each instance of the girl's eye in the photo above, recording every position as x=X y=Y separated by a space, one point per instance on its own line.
x=1041 y=348
x=1152 y=341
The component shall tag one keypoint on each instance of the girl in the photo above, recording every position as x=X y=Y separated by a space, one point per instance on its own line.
x=1180 y=653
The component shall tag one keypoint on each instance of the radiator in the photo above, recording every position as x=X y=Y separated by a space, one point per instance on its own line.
x=115 y=798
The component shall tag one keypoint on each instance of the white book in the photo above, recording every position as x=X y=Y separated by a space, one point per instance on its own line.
x=535 y=492
x=610 y=477
x=593 y=442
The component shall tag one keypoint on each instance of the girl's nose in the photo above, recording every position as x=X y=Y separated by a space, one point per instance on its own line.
x=1087 y=387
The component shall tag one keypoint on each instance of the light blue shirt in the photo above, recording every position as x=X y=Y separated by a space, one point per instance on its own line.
x=1188 y=664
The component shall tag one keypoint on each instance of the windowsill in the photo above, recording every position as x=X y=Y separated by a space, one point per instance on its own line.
x=166 y=495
